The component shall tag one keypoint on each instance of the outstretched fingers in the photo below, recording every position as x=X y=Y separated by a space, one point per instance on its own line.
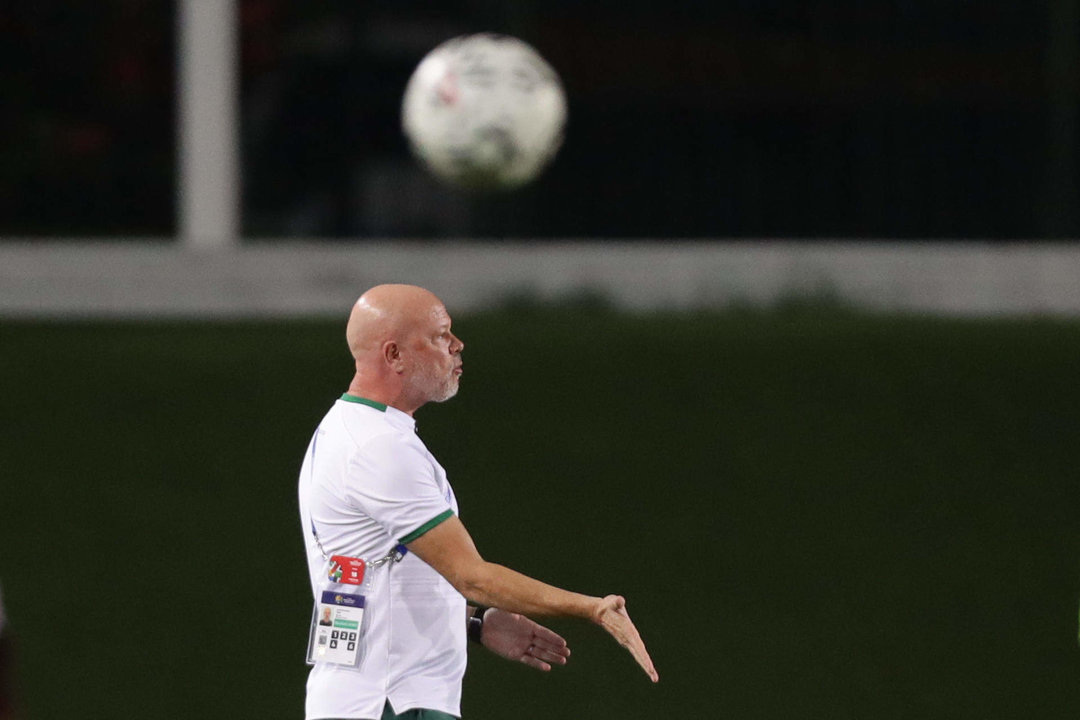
x=549 y=638
x=549 y=645
x=547 y=648
x=543 y=653
x=612 y=616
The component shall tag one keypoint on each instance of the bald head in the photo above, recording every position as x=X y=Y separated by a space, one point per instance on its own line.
x=388 y=312
x=405 y=353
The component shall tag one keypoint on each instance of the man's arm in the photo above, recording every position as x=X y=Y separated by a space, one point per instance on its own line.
x=450 y=550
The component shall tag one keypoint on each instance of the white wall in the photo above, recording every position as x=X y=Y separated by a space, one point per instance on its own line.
x=136 y=279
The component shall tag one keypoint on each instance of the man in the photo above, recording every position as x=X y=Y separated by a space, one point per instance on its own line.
x=370 y=489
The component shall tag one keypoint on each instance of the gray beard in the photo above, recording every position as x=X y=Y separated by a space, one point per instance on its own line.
x=436 y=389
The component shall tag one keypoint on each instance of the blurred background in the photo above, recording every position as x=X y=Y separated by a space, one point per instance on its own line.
x=750 y=119
x=782 y=346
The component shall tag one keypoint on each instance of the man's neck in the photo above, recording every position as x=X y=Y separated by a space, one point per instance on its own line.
x=387 y=396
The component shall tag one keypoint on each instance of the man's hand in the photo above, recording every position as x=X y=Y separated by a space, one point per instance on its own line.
x=516 y=637
x=449 y=549
x=611 y=615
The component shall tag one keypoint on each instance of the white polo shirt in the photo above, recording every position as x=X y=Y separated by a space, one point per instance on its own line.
x=368 y=483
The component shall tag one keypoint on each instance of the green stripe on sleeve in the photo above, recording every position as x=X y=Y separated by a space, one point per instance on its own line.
x=425 y=527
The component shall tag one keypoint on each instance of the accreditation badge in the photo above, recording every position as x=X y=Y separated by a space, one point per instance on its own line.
x=339 y=611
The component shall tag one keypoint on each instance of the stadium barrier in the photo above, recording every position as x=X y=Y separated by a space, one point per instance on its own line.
x=297 y=278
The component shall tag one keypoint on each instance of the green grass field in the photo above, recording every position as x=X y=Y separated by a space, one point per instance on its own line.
x=813 y=513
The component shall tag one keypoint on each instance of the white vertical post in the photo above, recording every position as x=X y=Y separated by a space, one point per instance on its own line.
x=208 y=183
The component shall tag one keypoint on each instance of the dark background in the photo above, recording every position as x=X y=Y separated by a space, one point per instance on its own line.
x=813 y=513
x=750 y=119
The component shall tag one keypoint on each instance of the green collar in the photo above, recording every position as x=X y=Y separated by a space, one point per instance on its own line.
x=364 y=401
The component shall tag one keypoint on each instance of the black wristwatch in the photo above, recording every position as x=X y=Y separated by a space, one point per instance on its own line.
x=476 y=623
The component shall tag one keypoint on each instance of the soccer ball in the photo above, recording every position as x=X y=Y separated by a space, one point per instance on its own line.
x=484 y=112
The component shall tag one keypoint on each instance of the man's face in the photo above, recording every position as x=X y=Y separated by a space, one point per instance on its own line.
x=436 y=366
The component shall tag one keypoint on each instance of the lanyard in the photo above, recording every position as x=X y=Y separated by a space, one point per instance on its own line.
x=395 y=555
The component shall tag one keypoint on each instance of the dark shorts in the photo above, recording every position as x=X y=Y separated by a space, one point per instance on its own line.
x=418 y=714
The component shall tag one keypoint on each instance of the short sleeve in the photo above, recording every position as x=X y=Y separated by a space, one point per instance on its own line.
x=394 y=482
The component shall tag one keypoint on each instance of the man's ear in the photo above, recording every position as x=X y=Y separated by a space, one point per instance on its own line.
x=392 y=356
